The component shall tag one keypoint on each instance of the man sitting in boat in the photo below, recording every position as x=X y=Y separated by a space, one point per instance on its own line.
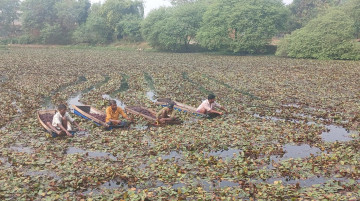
x=167 y=114
x=112 y=115
x=208 y=107
x=62 y=121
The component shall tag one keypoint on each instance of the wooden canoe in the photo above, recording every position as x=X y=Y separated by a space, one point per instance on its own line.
x=148 y=114
x=178 y=106
x=142 y=111
x=95 y=115
x=45 y=118
x=90 y=113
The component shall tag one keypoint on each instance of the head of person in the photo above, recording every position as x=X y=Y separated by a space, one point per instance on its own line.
x=62 y=109
x=171 y=105
x=211 y=98
x=113 y=104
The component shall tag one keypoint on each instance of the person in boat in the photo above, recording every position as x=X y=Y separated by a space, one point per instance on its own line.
x=208 y=107
x=62 y=121
x=112 y=115
x=166 y=114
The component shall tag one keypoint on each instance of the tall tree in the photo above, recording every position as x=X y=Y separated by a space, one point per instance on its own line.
x=53 y=21
x=173 y=28
x=302 y=11
x=242 y=25
x=9 y=12
x=95 y=29
x=117 y=13
x=329 y=36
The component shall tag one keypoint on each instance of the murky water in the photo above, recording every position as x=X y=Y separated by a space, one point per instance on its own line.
x=320 y=180
x=118 y=102
x=225 y=154
x=21 y=149
x=292 y=105
x=47 y=100
x=268 y=118
x=334 y=133
x=173 y=154
x=46 y=173
x=148 y=140
x=151 y=95
x=74 y=100
x=124 y=86
x=47 y=103
x=113 y=184
x=296 y=151
x=302 y=182
x=110 y=185
x=3 y=78
x=139 y=127
x=91 y=154
x=178 y=185
x=337 y=133
x=4 y=162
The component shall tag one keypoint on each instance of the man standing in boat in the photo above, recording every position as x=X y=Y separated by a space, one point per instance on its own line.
x=208 y=107
x=62 y=121
x=167 y=114
x=112 y=115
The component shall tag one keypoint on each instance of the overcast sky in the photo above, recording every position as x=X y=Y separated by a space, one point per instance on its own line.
x=152 y=4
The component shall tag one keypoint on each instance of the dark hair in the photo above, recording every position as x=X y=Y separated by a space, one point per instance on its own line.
x=61 y=107
x=171 y=105
x=211 y=96
x=112 y=102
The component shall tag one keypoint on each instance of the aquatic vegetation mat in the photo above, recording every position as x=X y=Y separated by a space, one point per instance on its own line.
x=292 y=131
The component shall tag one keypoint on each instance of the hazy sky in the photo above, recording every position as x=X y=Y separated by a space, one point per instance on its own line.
x=151 y=4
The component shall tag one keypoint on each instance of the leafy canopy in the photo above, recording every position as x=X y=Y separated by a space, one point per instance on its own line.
x=241 y=25
x=173 y=28
x=330 y=36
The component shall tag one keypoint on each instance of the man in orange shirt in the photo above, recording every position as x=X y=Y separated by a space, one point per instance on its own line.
x=112 y=115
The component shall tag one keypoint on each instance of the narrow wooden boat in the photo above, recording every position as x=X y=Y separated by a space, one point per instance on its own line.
x=178 y=106
x=148 y=114
x=45 y=118
x=95 y=115
x=142 y=111
x=90 y=113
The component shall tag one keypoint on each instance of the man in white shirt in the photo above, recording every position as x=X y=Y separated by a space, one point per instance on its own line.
x=62 y=121
x=208 y=106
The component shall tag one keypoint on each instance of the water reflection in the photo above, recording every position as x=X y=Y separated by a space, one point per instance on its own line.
x=225 y=154
x=151 y=95
x=172 y=154
x=91 y=154
x=296 y=151
x=21 y=149
x=118 y=102
x=336 y=133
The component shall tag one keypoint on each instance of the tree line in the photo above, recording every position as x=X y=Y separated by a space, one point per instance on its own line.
x=322 y=29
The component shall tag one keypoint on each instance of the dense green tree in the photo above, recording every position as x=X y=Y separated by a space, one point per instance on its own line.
x=302 y=11
x=8 y=14
x=173 y=28
x=329 y=36
x=37 y=13
x=242 y=25
x=129 y=28
x=95 y=30
x=118 y=12
x=53 y=21
x=352 y=7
